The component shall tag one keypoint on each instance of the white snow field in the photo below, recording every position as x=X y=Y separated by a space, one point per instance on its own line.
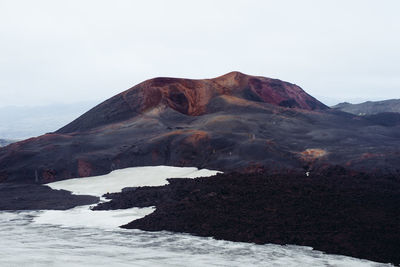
x=129 y=177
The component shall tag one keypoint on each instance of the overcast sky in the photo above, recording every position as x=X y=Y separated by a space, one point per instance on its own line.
x=71 y=51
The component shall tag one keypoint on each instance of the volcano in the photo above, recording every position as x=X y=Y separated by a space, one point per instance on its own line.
x=235 y=122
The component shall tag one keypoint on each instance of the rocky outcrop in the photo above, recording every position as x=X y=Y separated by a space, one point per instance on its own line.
x=39 y=197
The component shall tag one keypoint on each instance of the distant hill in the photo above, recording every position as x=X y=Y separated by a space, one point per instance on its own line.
x=25 y=122
x=370 y=107
x=4 y=142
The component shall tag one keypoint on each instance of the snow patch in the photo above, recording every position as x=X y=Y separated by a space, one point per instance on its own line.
x=83 y=216
x=129 y=177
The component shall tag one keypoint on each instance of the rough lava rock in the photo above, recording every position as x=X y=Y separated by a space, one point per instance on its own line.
x=337 y=211
x=39 y=197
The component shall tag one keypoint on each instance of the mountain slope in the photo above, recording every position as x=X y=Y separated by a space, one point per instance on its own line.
x=233 y=122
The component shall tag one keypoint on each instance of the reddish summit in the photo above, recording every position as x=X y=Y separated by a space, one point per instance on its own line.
x=194 y=97
x=272 y=91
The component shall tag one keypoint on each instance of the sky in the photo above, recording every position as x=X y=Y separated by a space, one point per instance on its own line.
x=89 y=50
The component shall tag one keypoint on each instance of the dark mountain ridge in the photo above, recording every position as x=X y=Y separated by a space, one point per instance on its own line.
x=370 y=107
